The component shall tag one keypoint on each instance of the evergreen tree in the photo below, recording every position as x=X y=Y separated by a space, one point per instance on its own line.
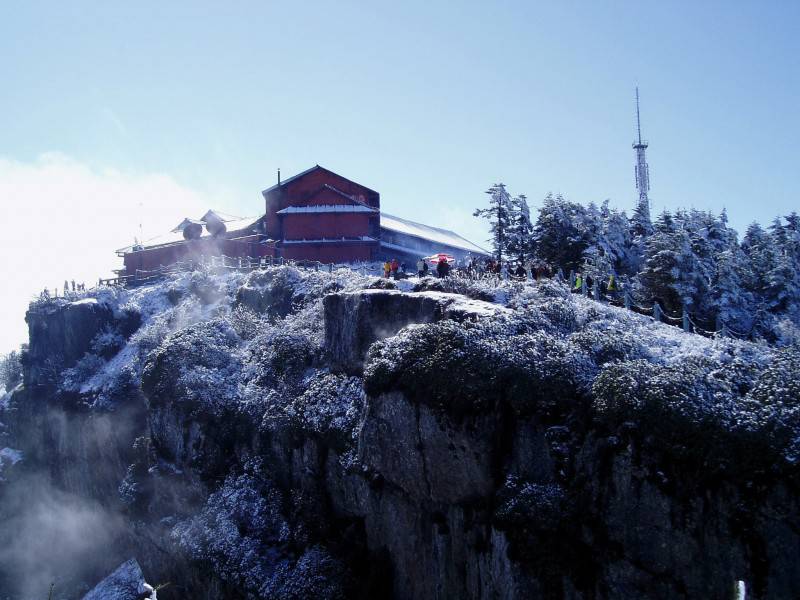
x=499 y=216
x=761 y=258
x=520 y=232
x=668 y=275
x=559 y=235
x=732 y=304
x=640 y=229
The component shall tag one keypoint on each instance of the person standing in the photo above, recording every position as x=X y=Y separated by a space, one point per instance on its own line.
x=442 y=268
x=387 y=269
x=420 y=267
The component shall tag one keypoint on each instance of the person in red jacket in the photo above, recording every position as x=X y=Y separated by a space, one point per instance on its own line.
x=395 y=266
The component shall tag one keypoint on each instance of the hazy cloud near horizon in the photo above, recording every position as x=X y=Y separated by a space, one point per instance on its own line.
x=63 y=219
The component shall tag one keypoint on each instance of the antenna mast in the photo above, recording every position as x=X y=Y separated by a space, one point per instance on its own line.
x=642 y=170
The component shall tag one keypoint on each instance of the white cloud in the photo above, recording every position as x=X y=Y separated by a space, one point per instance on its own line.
x=61 y=219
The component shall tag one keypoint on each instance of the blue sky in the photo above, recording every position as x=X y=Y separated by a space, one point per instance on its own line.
x=427 y=102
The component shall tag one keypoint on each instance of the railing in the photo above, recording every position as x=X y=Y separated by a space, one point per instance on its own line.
x=234 y=263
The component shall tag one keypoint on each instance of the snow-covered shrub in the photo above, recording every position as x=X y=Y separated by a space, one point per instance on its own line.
x=197 y=365
x=381 y=283
x=330 y=406
x=73 y=378
x=107 y=343
x=774 y=404
x=527 y=507
x=240 y=532
x=243 y=536
x=466 y=367
x=475 y=289
x=606 y=341
x=246 y=322
x=701 y=411
x=540 y=524
x=10 y=370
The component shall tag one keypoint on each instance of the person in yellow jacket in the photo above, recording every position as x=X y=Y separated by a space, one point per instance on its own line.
x=578 y=287
x=387 y=269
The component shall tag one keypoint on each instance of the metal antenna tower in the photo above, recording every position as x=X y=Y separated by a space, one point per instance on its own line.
x=642 y=171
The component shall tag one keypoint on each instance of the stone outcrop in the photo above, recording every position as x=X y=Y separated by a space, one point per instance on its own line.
x=125 y=583
x=354 y=321
x=439 y=500
x=60 y=335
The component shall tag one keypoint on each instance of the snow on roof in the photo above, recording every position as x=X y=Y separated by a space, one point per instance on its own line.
x=224 y=217
x=176 y=235
x=363 y=238
x=426 y=232
x=327 y=208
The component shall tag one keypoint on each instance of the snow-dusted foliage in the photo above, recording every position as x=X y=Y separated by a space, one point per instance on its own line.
x=529 y=506
x=330 y=406
x=689 y=259
x=196 y=365
x=246 y=413
x=242 y=534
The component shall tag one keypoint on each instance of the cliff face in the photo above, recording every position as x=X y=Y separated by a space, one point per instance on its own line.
x=294 y=434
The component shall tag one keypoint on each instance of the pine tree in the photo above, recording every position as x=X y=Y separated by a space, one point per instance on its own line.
x=559 y=234
x=640 y=229
x=732 y=304
x=499 y=216
x=669 y=270
x=520 y=233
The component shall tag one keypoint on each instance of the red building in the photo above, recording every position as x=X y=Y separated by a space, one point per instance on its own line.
x=319 y=215
x=315 y=215
x=214 y=234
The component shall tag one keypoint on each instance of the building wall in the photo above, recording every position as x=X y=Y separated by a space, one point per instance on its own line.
x=330 y=252
x=152 y=258
x=302 y=192
x=311 y=226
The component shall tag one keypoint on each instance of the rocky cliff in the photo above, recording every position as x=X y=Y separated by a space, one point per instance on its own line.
x=292 y=434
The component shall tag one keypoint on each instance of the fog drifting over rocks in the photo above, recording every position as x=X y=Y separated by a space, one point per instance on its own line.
x=63 y=219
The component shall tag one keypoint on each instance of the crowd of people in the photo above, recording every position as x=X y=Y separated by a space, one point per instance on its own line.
x=75 y=287
x=444 y=265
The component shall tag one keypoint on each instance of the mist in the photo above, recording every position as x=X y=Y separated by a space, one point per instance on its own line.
x=53 y=537
x=63 y=219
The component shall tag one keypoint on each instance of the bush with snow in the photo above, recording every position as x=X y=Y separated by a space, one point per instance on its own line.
x=732 y=417
x=198 y=366
x=242 y=533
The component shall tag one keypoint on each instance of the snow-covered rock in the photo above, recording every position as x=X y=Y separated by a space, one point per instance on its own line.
x=125 y=583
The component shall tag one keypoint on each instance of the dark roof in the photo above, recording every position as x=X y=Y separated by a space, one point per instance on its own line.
x=306 y=172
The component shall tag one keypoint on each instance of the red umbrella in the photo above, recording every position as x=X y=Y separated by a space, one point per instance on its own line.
x=441 y=256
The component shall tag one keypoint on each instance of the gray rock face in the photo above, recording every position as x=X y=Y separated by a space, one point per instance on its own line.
x=355 y=321
x=125 y=583
x=481 y=504
x=60 y=335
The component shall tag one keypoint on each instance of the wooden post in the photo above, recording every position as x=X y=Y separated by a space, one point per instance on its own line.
x=584 y=286
x=596 y=290
x=571 y=279
x=687 y=326
x=627 y=299
x=656 y=312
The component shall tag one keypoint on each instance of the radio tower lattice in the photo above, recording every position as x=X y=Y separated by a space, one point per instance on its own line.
x=642 y=171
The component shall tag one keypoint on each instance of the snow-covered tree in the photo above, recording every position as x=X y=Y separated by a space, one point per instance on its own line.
x=10 y=370
x=559 y=234
x=520 y=231
x=499 y=216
